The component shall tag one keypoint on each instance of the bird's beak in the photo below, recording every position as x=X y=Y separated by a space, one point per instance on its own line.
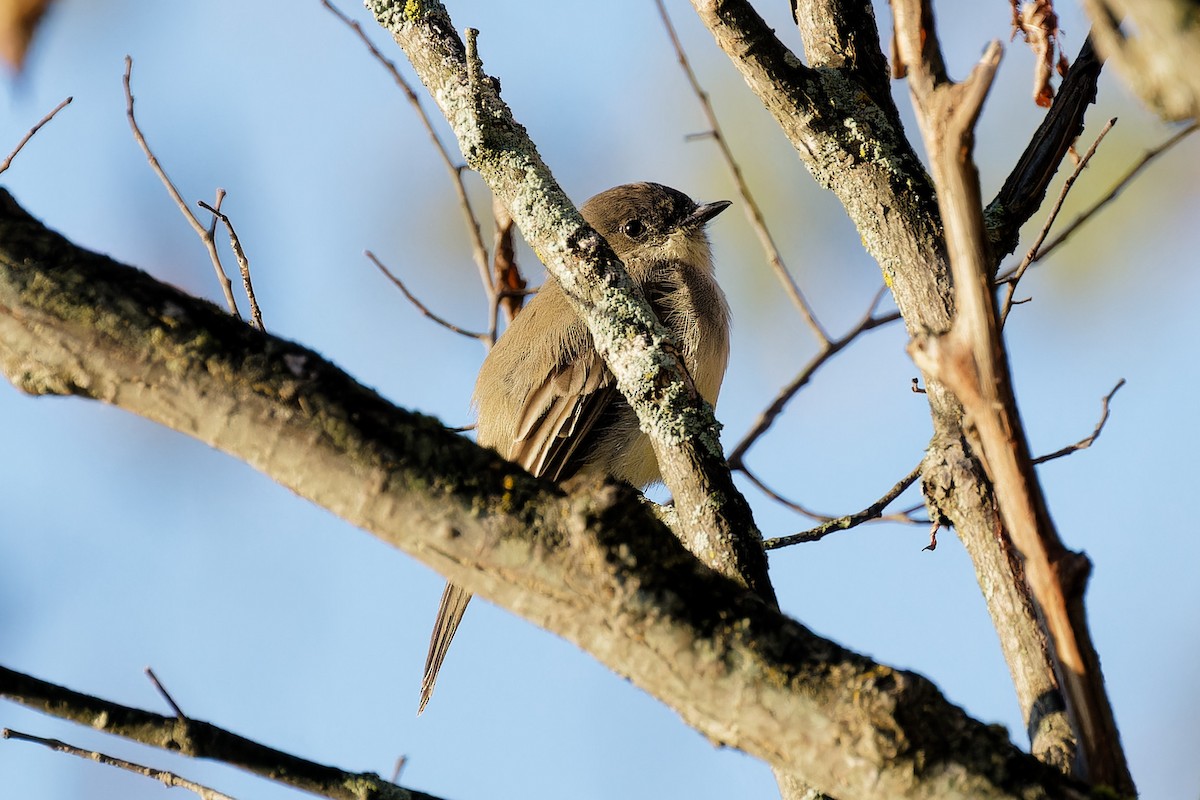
x=704 y=212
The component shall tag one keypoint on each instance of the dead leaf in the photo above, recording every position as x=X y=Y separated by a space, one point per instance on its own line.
x=1038 y=23
x=18 y=19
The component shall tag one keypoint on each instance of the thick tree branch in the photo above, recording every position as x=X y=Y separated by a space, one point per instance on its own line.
x=861 y=154
x=593 y=566
x=971 y=359
x=715 y=520
x=842 y=35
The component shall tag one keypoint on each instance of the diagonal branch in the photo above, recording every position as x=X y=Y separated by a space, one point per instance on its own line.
x=753 y=212
x=168 y=779
x=971 y=360
x=1031 y=255
x=592 y=565
x=871 y=512
x=7 y=162
x=1025 y=189
x=874 y=171
x=197 y=739
x=714 y=518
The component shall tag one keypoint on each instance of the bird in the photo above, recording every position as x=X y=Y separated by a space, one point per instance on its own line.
x=545 y=398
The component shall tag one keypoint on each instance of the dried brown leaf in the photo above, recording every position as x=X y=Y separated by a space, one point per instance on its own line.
x=1037 y=22
x=18 y=20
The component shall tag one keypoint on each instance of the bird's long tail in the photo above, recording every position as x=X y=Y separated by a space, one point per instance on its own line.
x=450 y=613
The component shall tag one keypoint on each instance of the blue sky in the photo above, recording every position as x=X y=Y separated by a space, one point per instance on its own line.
x=124 y=545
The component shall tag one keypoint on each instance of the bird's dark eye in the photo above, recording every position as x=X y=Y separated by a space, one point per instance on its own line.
x=633 y=228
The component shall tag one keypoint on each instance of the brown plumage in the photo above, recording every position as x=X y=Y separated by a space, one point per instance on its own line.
x=545 y=397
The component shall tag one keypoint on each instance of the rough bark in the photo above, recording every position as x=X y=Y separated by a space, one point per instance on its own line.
x=971 y=359
x=713 y=517
x=592 y=565
x=846 y=131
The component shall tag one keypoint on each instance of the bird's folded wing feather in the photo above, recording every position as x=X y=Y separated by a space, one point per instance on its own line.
x=559 y=415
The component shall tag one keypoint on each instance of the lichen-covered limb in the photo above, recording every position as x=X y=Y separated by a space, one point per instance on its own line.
x=592 y=565
x=715 y=520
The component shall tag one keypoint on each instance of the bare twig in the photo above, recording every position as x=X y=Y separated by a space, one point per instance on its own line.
x=776 y=496
x=483 y=337
x=205 y=234
x=1117 y=188
x=240 y=255
x=169 y=779
x=162 y=690
x=753 y=212
x=478 y=248
x=871 y=513
x=6 y=163
x=831 y=348
x=1033 y=254
x=1087 y=441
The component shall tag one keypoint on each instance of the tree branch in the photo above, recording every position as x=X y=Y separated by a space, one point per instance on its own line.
x=197 y=739
x=970 y=358
x=715 y=519
x=873 y=170
x=1025 y=189
x=592 y=565
x=1155 y=46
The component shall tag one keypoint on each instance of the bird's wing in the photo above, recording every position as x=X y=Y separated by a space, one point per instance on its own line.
x=559 y=415
x=556 y=421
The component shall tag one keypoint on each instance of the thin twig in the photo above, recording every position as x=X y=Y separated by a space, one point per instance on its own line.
x=753 y=212
x=166 y=778
x=871 y=513
x=478 y=248
x=483 y=337
x=240 y=255
x=204 y=234
x=1146 y=158
x=1087 y=441
x=831 y=348
x=162 y=690
x=777 y=497
x=1033 y=254
x=6 y=163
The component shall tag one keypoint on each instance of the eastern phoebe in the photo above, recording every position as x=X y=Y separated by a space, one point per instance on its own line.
x=545 y=397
